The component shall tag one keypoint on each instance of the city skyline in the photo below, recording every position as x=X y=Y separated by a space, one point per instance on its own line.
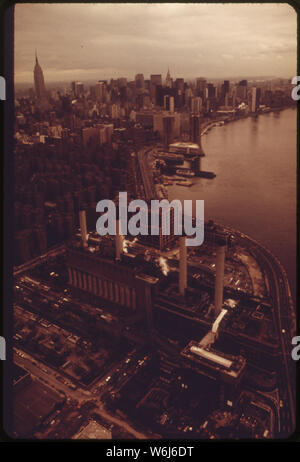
x=154 y=287
x=100 y=41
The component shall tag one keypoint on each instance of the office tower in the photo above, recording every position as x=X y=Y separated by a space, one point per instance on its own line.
x=161 y=92
x=39 y=83
x=201 y=87
x=79 y=88
x=188 y=94
x=169 y=103
x=253 y=99
x=168 y=130
x=241 y=90
x=258 y=97
x=196 y=105
x=195 y=126
x=73 y=87
x=115 y=111
x=139 y=81
x=99 y=91
x=168 y=80
x=155 y=80
x=224 y=92
x=226 y=86
x=122 y=82
x=179 y=84
x=211 y=90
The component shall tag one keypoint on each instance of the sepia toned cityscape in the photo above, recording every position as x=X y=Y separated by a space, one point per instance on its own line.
x=142 y=336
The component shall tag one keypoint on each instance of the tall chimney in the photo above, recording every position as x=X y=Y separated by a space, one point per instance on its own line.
x=219 y=281
x=118 y=241
x=83 y=230
x=182 y=266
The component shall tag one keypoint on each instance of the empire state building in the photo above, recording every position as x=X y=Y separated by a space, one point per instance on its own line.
x=39 y=83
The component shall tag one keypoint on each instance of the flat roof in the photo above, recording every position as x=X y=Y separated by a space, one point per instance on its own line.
x=211 y=356
x=184 y=144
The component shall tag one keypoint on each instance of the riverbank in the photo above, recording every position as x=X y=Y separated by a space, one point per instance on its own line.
x=225 y=120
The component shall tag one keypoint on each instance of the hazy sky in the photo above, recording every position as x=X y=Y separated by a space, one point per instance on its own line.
x=95 y=41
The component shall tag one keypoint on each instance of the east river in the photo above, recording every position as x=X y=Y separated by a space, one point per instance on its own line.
x=255 y=160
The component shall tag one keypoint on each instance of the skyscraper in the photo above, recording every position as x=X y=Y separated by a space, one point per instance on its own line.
x=255 y=99
x=168 y=80
x=39 y=83
x=99 y=91
x=155 y=80
x=169 y=103
x=195 y=127
x=79 y=89
x=201 y=87
x=139 y=81
x=168 y=130
x=241 y=90
x=196 y=104
x=211 y=90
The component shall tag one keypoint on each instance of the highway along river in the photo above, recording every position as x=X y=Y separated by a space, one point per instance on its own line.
x=255 y=187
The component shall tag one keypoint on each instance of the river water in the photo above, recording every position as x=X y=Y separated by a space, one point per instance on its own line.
x=255 y=187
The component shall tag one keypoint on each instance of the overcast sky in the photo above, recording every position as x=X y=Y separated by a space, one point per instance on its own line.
x=100 y=41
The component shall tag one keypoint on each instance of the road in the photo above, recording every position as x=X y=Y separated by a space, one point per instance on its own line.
x=51 y=379
x=281 y=303
x=146 y=177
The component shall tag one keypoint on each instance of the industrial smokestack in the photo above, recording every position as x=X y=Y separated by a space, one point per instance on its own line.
x=182 y=266
x=83 y=230
x=118 y=241
x=219 y=281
